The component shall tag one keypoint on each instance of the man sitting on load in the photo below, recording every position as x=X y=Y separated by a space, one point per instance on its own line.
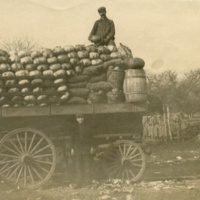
x=103 y=31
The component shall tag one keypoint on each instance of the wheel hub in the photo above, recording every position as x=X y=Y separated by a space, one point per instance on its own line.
x=126 y=163
x=27 y=160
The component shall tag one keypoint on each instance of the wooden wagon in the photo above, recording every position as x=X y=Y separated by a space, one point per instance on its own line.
x=27 y=147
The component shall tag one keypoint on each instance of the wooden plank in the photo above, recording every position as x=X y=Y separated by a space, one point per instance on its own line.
x=25 y=111
x=71 y=109
x=120 y=108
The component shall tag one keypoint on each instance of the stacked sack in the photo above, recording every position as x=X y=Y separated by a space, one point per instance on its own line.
x=103 y=59
x=63 y=75
x=32 y=79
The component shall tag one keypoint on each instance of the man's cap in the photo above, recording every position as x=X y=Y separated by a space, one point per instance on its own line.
x=79 y=115
x=102 y=10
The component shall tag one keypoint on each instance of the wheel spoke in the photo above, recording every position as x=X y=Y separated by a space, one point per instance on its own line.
x=9 y=149
x=8 y=155
x=136 y=165
x=4 y=167
x=45 y=170
x=44 y=155
x=8 y=172
x=131 y=157
x=131 y=173
x=25 y=175
x=128 y=150
x=31 y=175
x=133 y=152
x=136 y=160
x=20 y=144
x=127 y=174
x=114 y=171
x=111 y=162
x=14 y=145
x=36 y=145
x=44 y=162
x=112 y=166
x=13 y=172
x=120 y=150
x=124 y=149
x=114 y=151
x=8 y=161
x=32 y=139
x=111 y=157
x=25 y=141
x=19 y=174
x=42 y=168
x=42 y=149
x=118 y=174
x=9 y=168
x=37 y=173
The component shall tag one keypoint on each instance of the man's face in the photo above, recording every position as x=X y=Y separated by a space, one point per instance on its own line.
x=102 y=14
x=80 y=120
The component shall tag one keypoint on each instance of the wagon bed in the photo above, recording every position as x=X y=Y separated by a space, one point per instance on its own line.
x=72 y=109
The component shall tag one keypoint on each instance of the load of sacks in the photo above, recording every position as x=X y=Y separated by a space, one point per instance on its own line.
x=64 y=75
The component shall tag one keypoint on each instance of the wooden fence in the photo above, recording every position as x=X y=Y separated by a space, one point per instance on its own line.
x=173 y=127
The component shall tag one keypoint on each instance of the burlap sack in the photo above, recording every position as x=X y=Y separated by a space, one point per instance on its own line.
x=79 y=92
x=96 y=97
x=78 y=85
x=78 y=79
x=102 y=85
x=77 y=100
x=99 y=78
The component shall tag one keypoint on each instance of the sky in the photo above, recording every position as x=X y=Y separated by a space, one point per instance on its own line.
x=165 y=33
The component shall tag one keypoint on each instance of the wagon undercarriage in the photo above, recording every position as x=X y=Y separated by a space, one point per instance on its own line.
x=28 y=155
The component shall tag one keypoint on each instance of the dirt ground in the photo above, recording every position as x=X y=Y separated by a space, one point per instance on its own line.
x=172 y=173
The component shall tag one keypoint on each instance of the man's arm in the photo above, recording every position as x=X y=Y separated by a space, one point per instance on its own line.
x=91 y=139
x=111 y=34
x=74 y=133
x=93 y=32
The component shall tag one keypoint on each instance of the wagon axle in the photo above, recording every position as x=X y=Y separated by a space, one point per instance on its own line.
x=27 y=160
x=125 y=162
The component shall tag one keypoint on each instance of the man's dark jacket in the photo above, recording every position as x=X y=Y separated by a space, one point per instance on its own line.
x=104 y=28
x=82 y=139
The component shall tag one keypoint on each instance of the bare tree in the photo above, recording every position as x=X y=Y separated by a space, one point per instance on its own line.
x=180 y=95
x=163 y=86
x=22 y=43
x=189 y=92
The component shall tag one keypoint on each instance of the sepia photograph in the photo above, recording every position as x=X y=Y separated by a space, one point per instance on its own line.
x=99 y=100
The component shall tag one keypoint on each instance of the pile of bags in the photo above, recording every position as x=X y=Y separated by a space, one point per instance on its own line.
x=63 y=75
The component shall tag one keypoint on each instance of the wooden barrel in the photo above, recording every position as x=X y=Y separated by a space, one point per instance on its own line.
x=115 y=78
x=135 y=86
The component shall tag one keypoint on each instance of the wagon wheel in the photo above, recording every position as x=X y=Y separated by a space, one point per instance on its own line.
x=27 y=158
x=124 y=160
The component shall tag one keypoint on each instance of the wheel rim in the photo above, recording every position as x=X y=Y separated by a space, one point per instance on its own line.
x=27 y=158
x=125 y=160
